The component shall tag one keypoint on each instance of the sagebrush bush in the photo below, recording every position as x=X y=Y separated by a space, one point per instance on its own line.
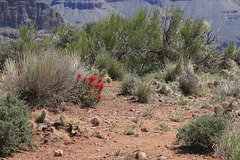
x=229 y=146
x=45 y=78
x=15 y=128
x=128 y=84
x=143 y=90
x=115 y=69
x=203 y=133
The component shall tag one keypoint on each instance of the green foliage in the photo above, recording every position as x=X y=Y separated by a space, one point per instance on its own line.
x=142 y=42
x=15 y=131
x=114 y=68
x=230 y=50
x=44 y=78
x=203 y=133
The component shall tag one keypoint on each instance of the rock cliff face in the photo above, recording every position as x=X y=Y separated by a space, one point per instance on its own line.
x=20 y=12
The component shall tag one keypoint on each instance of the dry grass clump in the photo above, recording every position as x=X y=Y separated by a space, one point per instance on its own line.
x=143 y=90
x=189 y=82
x=229 y=145
x=128 y=84
x=45 y=78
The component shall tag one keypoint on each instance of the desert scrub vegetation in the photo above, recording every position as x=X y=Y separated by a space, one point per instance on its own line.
x=44 y=78
x=15 y=128
x=114 y=68
x=203 y=133
x=229 y=145
x=143 y=90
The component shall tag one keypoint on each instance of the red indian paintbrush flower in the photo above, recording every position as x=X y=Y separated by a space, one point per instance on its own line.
x=85 y=80
x=92 y=78
x=79 y=76
x=90 y=92
x=99 y=97
x=92 y=84
x=101 y=87
x=100 y=80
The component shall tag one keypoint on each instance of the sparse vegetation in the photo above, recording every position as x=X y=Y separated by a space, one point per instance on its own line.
x=177 y=118
x=177 y=51
x=147 y=112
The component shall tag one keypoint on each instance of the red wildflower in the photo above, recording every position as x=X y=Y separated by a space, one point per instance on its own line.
x=79 y=76
x=92 y=84
x=85 y=80
x=100 y=80
x=99 y=97
x=92 y=78
x=97 y=86
x=101 y=87
x=90 y=92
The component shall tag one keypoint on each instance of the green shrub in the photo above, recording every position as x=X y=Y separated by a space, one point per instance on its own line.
x=9 y=49
x=143 y=90
x=45 y=78
x=128 y=84
x=15 y=132
x=203 y=133
x=229 y=146
x=115 y=69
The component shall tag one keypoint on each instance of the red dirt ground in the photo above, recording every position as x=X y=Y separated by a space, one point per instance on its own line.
x=116 y=114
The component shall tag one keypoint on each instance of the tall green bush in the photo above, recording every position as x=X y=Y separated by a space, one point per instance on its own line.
x=15 y=128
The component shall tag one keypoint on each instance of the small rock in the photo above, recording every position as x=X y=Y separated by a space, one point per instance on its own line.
x=41 y=127
x=141 y=155
x=98 y=150
x=98 y=135
x=95 y=121
x=144 y=129
x=58 y=153
x=132 y=110
x=163 y=158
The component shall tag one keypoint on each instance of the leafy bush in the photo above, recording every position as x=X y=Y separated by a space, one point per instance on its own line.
x=128 y=84
x=115 y=69
x=203 y=133
x=143 y=90
x=44 y=78
x=15 y=132
x=229 y=146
